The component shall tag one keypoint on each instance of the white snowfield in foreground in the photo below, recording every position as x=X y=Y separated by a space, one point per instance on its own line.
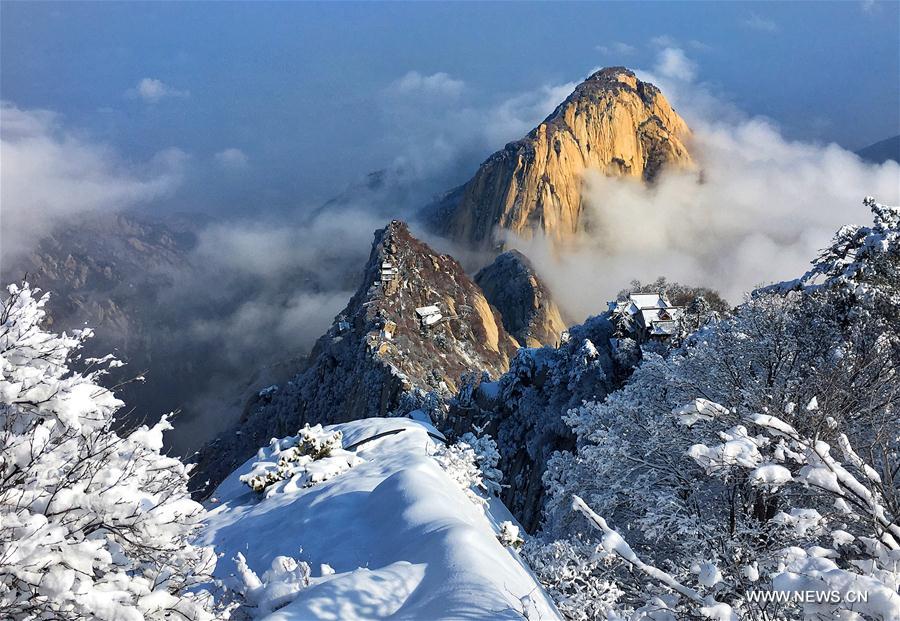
x=404 y=541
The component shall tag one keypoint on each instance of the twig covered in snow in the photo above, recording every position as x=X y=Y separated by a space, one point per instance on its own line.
x=614 y=543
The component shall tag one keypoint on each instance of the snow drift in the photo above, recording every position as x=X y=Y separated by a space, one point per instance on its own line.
x=394 y=537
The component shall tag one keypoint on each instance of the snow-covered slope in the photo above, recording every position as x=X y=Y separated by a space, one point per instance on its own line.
x=403 y=539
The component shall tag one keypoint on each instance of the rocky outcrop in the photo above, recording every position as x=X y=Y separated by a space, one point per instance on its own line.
x=416 y=325
x=612 y=123
x=529 y=313
x=109 y=272
x=523 y=410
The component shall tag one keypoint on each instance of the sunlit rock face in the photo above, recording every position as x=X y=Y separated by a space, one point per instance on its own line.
x=612 y=122
x=529 y=313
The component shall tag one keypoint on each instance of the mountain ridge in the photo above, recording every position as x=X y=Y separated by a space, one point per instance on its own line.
x=882 y=151
x=416 y=325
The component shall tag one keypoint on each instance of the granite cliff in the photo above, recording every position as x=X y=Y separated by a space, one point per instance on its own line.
x=529 y=313
x=612 y=122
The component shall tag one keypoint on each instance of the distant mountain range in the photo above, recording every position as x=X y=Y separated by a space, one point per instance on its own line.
x=108 y=273
x=882 y=151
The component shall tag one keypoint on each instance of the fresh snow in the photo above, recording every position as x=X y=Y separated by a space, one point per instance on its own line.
x=739 y=449
x=770 y=475
x=699 y=409
x=403 y=539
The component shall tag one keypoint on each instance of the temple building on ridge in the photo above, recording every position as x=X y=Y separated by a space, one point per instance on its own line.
x=646 y=316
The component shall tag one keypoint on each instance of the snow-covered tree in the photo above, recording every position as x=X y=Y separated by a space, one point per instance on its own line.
x=93 y=525
x=863 y=260
x=762 y=454
x=472 y=463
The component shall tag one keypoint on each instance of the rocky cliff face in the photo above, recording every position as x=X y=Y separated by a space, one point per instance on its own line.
x=108 y=273
x=612 y=122
x=529 y=313
x=416 y=325
x=524 y=409
x=100 y=270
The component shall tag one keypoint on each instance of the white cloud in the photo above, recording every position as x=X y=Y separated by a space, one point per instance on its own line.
x=50 y=174
x=440 y=84
x=699 y=46
x=761 y=210
x=168 y=161
x=617 y=48
x=514 y=117
x=297 y=287
x=674 y=64
x=663 y=41
x=440 y=137
x=757 y=22
x=232 y=158
x=151 y=90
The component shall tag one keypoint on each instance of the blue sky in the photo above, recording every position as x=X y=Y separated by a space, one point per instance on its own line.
x=285 y=104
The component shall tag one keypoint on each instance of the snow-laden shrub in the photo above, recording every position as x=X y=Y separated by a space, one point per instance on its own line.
x=92 y=524
x=487 y=457
x=472 y=463
x=578 y=575
x=509 y=535
x=586 y=360
x=312 y=456
x=277 y=587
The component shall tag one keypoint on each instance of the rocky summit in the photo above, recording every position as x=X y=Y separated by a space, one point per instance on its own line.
x=414 y=327
x=612 y=123
x=529 y=313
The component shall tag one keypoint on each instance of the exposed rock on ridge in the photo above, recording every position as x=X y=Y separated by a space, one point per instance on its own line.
x=529 y=313
x=524 y=409
x=612 y=122
x=378 y=350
